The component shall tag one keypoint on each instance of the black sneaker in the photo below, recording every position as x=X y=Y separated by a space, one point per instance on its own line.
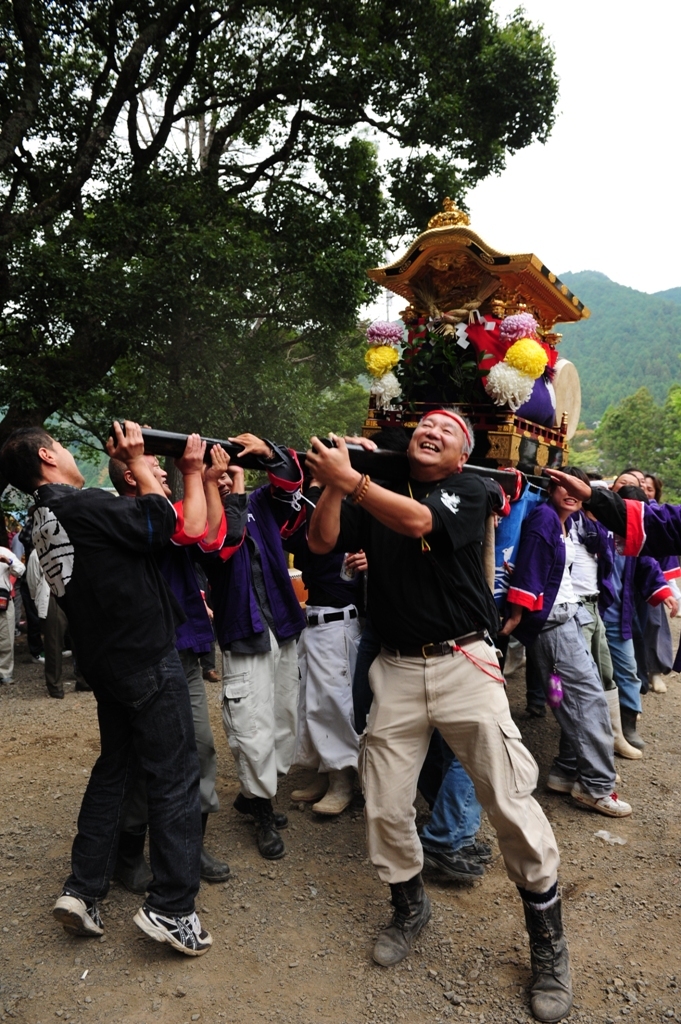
x=477 y=851
x=78 y=916
x=452 y=865
x=182 y=933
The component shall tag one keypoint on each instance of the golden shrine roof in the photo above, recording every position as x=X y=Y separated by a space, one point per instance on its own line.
x=454 y=264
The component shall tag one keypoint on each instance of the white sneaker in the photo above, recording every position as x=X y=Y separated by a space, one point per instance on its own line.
x=611 y=805
x=559 y=782
x=77 y=916
x=39 y=659
x=182 y=933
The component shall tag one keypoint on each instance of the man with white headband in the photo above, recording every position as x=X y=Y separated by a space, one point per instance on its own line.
x=436 y=619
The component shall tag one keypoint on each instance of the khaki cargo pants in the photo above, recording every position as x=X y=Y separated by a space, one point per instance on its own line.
x=412 y=696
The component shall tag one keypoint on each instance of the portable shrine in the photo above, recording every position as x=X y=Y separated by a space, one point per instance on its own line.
x=479 y=332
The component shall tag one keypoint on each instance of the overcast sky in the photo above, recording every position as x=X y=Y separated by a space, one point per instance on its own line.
x=603 y=192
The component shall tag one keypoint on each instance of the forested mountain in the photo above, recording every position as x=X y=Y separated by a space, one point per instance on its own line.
x=671 y=294
x=632 y=340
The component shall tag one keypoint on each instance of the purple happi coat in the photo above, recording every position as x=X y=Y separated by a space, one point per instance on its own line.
x=540 y=564
x=539 y=567
x=268 y=516
x=653 y=529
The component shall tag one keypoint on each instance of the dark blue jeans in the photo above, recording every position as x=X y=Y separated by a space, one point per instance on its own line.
x=145 y=722
x=455 y=816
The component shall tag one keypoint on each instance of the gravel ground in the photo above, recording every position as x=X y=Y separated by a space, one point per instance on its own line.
x=292 y=939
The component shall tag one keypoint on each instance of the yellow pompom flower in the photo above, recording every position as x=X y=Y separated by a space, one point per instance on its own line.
x=380 y=359
x=528 y=356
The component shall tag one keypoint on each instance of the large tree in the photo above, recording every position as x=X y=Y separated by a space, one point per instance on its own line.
x=639 y=432
x=191 y=192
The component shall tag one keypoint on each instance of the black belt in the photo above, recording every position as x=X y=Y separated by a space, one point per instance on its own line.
x=592 y=598
x=439 y=650
x=320 y=620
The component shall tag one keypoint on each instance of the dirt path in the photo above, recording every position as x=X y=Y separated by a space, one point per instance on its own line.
x=293 y=938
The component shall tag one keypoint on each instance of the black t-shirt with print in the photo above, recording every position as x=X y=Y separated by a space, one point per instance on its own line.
x=432 y=590
x=96 y=551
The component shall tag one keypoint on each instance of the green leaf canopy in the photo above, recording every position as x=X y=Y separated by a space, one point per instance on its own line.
x=191 y=193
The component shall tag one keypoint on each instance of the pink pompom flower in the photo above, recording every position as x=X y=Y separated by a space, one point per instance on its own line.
x=383 y=333
x=520 y=325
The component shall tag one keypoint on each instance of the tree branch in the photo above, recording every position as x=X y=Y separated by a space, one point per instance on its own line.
x=283 y=154
x=19 y=120
x=123 y=89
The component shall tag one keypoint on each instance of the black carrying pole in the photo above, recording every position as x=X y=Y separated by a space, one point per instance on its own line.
x=379 y=465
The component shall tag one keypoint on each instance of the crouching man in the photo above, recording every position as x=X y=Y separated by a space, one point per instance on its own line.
x=436 y=619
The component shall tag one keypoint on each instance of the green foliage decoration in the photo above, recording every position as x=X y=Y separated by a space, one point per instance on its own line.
x=433 y=368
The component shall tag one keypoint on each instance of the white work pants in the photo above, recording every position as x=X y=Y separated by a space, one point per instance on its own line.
x=7 y=643
x=259 y=701
x=327 y=654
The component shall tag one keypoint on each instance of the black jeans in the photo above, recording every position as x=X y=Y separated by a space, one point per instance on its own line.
x=145 y=722
x=362 y=697
x=35 y=640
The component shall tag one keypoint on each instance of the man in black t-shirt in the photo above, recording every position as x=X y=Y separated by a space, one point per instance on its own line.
x=96 y=552
x=436 y=618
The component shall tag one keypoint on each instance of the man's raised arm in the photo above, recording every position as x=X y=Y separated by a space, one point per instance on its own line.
x=190 y=466
x=219 y=464
x=129 y=448
x=605 y=505
x=331 y=467
x=324 y=525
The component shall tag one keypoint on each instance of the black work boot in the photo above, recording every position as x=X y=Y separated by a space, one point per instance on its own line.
x=451 y=865
x=412 y=912
x=212 y=869
x=131 y=869
x=244 y=805
x=551 y=989
x=629 y=729
x=270 y=843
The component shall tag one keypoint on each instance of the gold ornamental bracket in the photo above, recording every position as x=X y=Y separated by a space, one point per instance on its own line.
x=451 y=263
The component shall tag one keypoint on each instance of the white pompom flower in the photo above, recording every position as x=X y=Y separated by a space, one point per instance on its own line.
x=508 y=386
x=386 y=389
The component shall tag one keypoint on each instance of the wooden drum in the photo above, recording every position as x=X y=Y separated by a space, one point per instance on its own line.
x=568 y=395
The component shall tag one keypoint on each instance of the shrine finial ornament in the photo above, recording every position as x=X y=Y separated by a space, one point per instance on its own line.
x=450 y=216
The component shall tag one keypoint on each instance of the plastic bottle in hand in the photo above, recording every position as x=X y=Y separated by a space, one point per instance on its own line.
x=347 y=572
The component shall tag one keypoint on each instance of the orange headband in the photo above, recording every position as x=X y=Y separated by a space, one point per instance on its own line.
x=453 y=416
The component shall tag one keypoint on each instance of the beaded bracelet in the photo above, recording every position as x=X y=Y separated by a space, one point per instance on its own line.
x=358 y=488
x=363 y=493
